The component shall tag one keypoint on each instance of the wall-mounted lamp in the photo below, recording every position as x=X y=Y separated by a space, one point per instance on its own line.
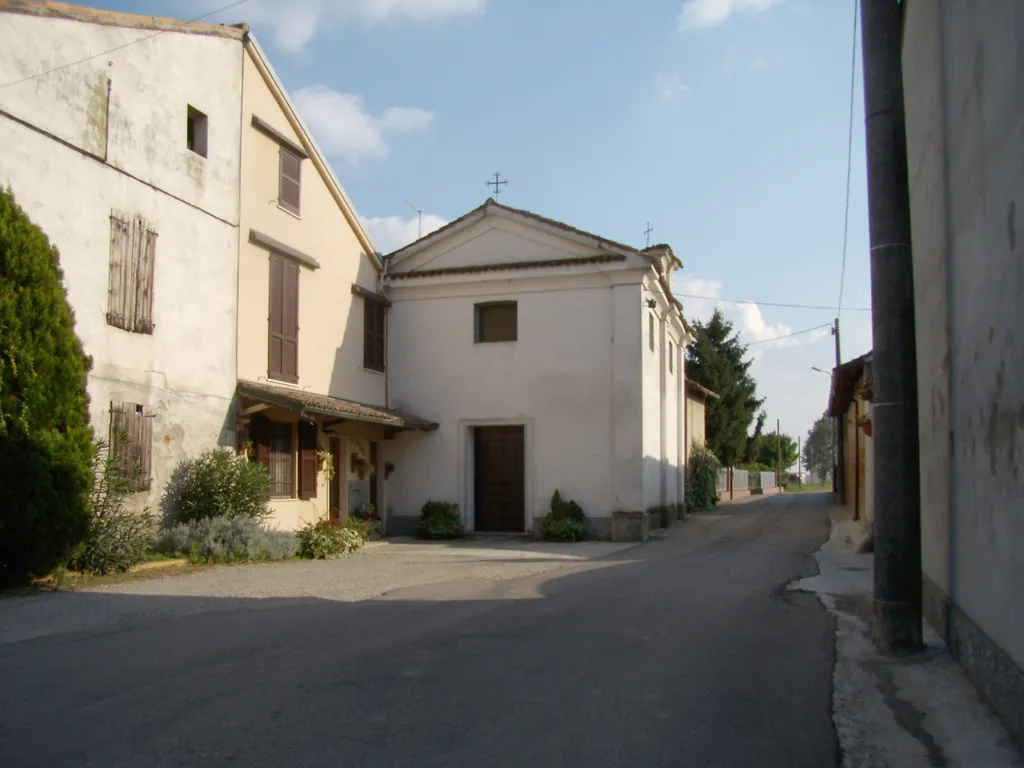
x=651 y=303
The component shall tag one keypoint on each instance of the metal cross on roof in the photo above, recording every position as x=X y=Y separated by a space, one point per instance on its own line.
x=647 y=232
x=498 y=183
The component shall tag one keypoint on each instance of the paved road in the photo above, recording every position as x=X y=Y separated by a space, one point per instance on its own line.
x=683 y=652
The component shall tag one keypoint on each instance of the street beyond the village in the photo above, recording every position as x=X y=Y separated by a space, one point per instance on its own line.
x=687 y=650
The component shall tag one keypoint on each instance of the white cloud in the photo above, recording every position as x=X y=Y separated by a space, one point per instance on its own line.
x=711 y=13
x=389 y=233
x=344 y=128
x=670 y=86
x=297 y=22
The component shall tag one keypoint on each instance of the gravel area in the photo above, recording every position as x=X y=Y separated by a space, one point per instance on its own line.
x=378 y=569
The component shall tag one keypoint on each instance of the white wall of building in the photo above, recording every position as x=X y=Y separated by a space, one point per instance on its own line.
x=185 y=370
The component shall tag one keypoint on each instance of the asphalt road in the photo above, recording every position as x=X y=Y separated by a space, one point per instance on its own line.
x=686 y=651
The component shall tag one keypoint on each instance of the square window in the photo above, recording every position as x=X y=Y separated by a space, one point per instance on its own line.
x=497 y=321
x=196 y=131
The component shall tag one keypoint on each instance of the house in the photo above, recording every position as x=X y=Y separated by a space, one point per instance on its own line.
x=965 y=126
x=220 y=278
x=313 y=378
x=849 y=402
x=129 y=162
x=695 y=418
x=551 y=359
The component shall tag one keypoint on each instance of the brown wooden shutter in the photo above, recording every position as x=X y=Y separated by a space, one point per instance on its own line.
x=259 y=436
x=290 y=332
x=276 y=319
x=143 y=320
x=307 y=460
x=291 y=181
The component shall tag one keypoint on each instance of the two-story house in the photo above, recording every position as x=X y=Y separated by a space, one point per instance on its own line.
x=313 y=380
x=550 y=358
x=124 y=149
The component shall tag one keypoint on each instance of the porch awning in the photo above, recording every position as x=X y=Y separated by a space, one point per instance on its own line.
x=324 y=405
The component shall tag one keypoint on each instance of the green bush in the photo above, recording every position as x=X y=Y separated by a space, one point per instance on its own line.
x=565 y=529
x=701 y=479
x=364 y=528
x=218 y=483
x=440 y=520
x=565 y=522
x=46 y=444
x=227 y=540
x=118 y=537
x=327 y=540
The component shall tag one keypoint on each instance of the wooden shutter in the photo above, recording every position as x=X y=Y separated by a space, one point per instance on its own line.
x=131 y=444
x=291 y=181
x=374 y=318
x=307 y=460
x=120 y=247
x=143 y=299
x=290 y=332
x=259 y=436
x=275 y=369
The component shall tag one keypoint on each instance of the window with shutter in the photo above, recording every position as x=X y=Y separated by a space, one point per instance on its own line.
x=272 y=447
x=307 y=460
x=290 y=181
x=132 y=265
x=497 y=321
x=374 y=335
x=131 y=444
x=283 y=362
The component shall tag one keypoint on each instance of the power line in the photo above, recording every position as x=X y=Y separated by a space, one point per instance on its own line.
x=849 y=159
x=768 y=303
x=119 y=47
x=786 y=336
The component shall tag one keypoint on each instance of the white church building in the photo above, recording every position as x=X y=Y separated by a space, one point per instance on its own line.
x=550 y=358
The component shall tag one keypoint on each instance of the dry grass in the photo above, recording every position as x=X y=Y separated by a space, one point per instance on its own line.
x=69 y=581
x=808 y=488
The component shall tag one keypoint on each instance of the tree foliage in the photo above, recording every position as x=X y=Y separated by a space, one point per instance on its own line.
x=46 y=443
x=818 y=447
x=765 y=451
x=701 y=479
x=717 y=360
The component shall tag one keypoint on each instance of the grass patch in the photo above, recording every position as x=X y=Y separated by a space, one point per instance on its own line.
x=808 y=488
x=69 y=581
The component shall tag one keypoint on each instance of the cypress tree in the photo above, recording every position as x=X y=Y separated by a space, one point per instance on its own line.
x=46 y=443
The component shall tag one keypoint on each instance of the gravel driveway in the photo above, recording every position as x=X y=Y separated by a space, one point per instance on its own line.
x=378 y=569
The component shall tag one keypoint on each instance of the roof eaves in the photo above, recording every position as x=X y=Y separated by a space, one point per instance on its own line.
x=508 y=266
x=70 y=12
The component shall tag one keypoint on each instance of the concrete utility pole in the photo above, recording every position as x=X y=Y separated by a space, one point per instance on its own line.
x=778 y=451
x=897 y=492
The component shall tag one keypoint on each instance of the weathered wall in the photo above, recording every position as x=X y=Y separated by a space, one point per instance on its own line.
x=965 y=130
x=330 y=316
x=185 y=370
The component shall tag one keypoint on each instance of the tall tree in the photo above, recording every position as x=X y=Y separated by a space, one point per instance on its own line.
x=46 y=443
x=717 y=360
x=767 y=451
x=818 y=447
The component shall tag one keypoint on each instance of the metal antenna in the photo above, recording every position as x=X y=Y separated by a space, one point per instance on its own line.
x=647 y=232
x=498 y=183
x=419 y=213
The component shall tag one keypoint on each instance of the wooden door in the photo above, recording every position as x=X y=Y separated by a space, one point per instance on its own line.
x=334 y=492
x=499 y=479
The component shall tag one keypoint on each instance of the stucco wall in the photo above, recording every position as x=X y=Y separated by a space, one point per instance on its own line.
x=965 y=128
x=556 y=380
x=330 y=316
x=695 y=423
x=185 y=370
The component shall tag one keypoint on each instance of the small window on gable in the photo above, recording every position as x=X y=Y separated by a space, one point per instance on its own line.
x=290 y=182
x=131 y=444
x=497 y=321
x=195 y=134
x=132 y=272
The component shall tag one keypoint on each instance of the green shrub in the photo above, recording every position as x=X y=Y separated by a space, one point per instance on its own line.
x=327 y=540
x=440 y=520
x=218 y=483
x=228 y=540
x=565 y=522
x=701 y=479
x=118 y=537
x=565 y=529
x=46 y=444
x=365 y=528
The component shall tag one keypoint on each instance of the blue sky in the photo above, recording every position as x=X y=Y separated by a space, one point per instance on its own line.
x=722 y=122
